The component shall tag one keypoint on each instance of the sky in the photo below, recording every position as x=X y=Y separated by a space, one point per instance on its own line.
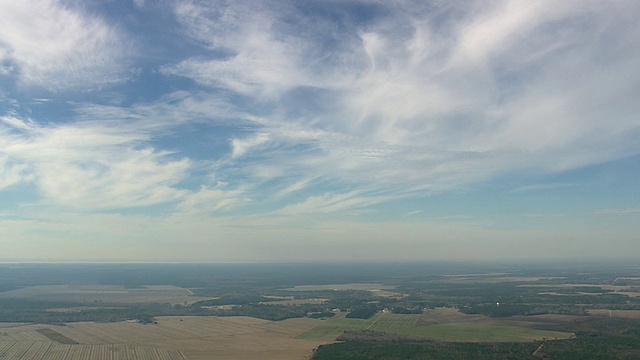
x=267 y=131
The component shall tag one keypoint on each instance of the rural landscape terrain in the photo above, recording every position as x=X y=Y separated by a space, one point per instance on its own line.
x=319 y=311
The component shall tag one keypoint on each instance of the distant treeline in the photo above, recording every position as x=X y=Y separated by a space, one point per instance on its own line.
x=14 y=310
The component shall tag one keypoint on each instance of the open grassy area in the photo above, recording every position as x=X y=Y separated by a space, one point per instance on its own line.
x=355 y=286
x=406 y=325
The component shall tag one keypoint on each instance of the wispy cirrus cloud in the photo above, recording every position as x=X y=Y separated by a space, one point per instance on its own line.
x=620 y=212
x=260 y=55
x=332 y=203
x=207 y=200
x=542 y=187
x=426 y=99
x=57 y=46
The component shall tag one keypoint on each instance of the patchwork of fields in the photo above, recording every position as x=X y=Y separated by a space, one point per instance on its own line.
x=200 y=338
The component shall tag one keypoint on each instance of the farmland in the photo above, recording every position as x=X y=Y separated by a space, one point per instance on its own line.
x=35 y=342
x=285 y=311
x=171 y=338
x=473 y=331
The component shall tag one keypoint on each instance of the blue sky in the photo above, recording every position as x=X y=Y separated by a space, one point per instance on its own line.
x=319 y=130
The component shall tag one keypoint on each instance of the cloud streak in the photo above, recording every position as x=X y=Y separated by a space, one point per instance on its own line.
x=55 y=46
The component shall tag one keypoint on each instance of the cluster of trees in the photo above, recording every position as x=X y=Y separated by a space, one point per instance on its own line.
x=321 y=315
x=362 y=311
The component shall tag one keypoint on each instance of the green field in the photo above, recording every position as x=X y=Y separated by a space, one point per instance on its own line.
x=406 y=325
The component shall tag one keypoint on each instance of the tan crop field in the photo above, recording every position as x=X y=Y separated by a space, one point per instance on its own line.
x=193 y=338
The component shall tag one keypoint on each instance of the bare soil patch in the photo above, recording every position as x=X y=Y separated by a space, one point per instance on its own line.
x=56 y=336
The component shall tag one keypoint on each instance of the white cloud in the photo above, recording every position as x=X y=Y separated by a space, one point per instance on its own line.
x=11 y=174
x=409 y=101
x=242 y=146
x=92 y=165
x=49 y=44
